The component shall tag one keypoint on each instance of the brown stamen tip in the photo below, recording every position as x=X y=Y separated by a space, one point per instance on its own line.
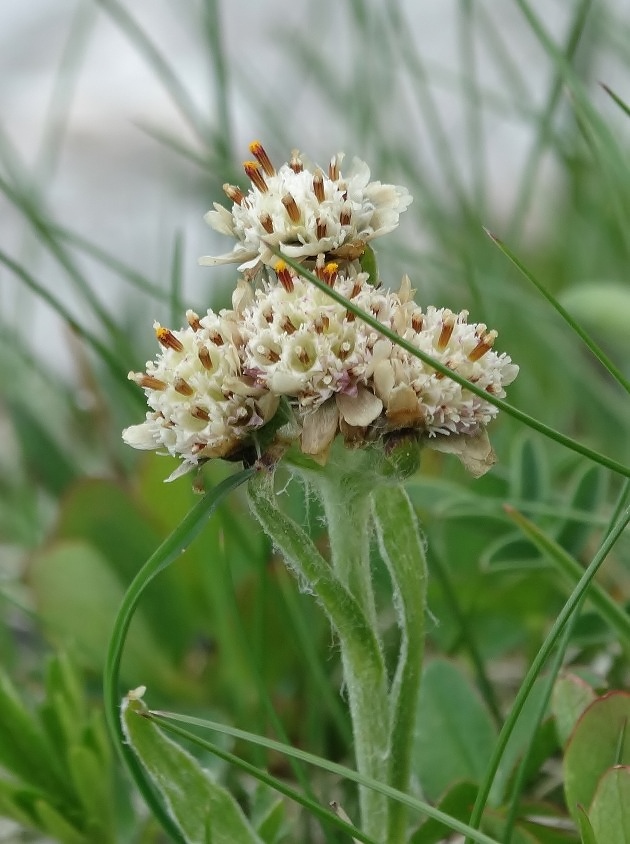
x=330 y=273
x=258 y=151
x=234 y=193
x=345 y=216
x=217 y=338
x=200 y=413
x=150 y=382
x=167 y=339
x=333 y=168
x=350 y=317
x=318 y=186
x=484 y=345
x=356 y=289
x=204 y=357
x=183 y=387
x=266 y=222
x=193 y=320
x=448 y=324
x=302 y=355
x=272 y=357
x=254 y=173
x=417 y=320
x=321 y=229
x=292 y=210
x=287 y=326
x=284 y=276
x=295 y=162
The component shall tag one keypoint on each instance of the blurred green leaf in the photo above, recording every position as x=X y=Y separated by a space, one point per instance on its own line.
x=457 y=803
x=604 y=307
x=205 y=812
x=571 y=697
x=587 y=836
x=610 y=810
x=454 y=732
x=599 y=742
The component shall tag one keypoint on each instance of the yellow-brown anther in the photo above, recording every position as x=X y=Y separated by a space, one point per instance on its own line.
x=200 y=413
x=167 y=339
x=295 y=162
x=321 y=228
x=345 y=215
x=287 y=326
x=417 y=320
x=272 y=357
x=217 y=338
x=484 y=345
x=183 y=387
x=234 y=193
x=448 y=324
x=143 y=379
x=322 y=323
x=266 y=222
x=330 y=273
x=350 y=317
x=318 y=186
x=204 y=357
x=292 y=210
x=284 y=276
x=302 y=355
x=333 y=169
x=356 y=289
x=193 y=320
x=258 y=151
x=254 y=173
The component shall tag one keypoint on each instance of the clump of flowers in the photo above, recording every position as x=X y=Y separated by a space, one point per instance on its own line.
x=221 y=379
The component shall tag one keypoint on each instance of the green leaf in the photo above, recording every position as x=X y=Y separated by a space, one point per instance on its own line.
x=454 y=731
x=603 y=306
x=24 y=749
x=588 y=493
x=586 y=830
x=93 y=787
x=529 y=473
x=56 y=825
x=203 y=810
x=77 y=596
x=457 y=803
x=571 y=696
x=600 y=741
x=610 y=811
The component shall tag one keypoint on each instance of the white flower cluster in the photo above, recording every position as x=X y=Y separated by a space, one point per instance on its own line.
x=221 y=379
x=303 y=211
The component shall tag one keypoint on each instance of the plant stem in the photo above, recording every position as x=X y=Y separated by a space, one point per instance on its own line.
x=362 y=658
x=402 y=549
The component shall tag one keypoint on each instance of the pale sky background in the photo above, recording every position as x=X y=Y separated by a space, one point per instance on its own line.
x=119 y=187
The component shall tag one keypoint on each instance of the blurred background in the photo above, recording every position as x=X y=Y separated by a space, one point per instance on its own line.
x=119 y=123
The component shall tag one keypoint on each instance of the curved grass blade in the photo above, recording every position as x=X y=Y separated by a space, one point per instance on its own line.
x=163 y=719
x=168 y=552
x=507 y=408
x=599 y=353
x=548 y=645
x=617 y=99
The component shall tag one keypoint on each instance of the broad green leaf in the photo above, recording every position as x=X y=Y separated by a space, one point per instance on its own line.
x=17 y=803
x=512 y=553
x=571 y=696
x=77 y=596
x=603 y=306
x=529 y=470
x=454 y=732
x=203 y=810
x=88 y=513
x=599 y=741
x=610 y=810
x=457 y=803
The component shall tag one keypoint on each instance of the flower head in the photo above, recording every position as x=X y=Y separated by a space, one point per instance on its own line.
x=202 y=405
x=304 y=211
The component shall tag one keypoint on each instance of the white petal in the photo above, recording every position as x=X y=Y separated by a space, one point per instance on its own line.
x=361 y=409
x=319 y=428
x=475 y=452
x=141 y=436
